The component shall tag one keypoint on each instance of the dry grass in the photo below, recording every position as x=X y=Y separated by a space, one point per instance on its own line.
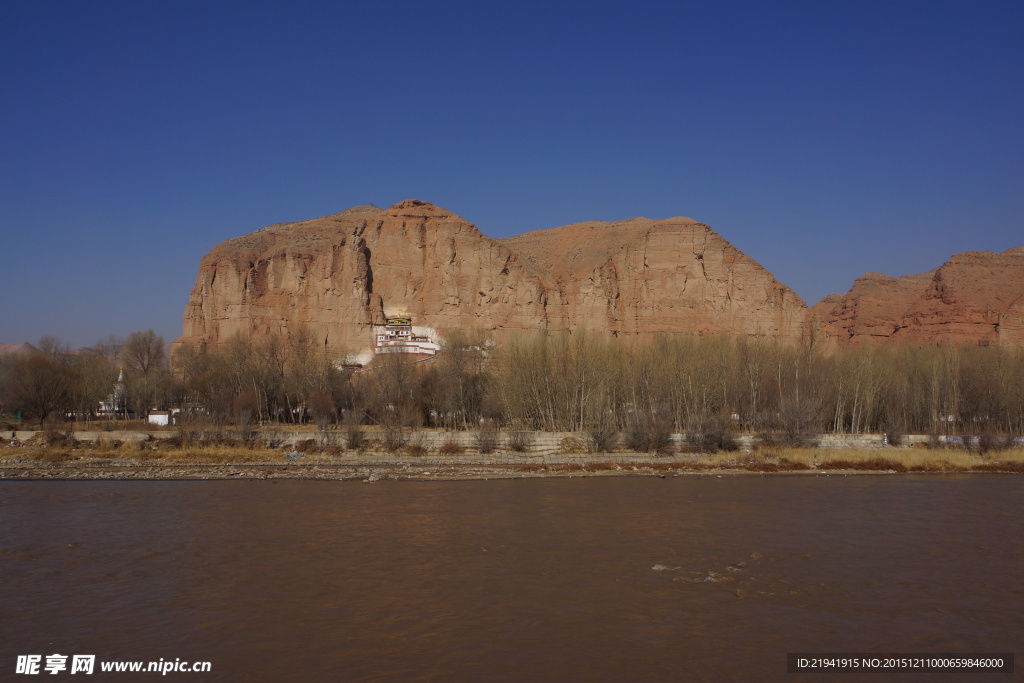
x=222 y=455
x=71 y=453
x=894 y=459
x=571 y=445
x=142 y=453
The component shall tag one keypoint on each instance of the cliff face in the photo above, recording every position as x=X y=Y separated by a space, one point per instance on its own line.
x=643 y=276
x=976 y=297
x=341 y=274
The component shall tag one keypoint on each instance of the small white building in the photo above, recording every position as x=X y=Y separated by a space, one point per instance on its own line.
x=161 y=418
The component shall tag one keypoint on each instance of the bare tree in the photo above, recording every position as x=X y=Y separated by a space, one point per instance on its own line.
x=97 y=376
x=110 y=347
x=144 y=351
x=52 y=346
x=322 y=406
x=39 y=384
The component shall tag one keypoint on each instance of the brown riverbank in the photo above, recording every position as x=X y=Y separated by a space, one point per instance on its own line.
x=135 y=462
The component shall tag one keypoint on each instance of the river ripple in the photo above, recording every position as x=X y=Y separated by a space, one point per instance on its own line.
x=611 y=579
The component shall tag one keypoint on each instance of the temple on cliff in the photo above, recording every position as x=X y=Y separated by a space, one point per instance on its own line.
x=398 y=336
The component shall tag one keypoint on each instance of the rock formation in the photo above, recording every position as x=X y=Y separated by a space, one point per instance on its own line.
x=340 y=275
x=976 y=297
x=642 y=276
x=16 y=349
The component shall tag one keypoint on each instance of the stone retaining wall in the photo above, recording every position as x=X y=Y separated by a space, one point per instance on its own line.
x=539 y=444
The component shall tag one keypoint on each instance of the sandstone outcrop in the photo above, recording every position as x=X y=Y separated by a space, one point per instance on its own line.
x=340 y=275
x=642 y=276
x=976 y=297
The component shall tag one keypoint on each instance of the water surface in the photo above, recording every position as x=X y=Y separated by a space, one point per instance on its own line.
x=611 y=579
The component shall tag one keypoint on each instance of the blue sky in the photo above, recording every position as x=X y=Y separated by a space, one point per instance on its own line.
x=824 y=139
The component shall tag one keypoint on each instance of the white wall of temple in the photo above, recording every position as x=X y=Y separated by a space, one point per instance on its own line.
x=361 y=358
x=365 y=355
x=423 y=331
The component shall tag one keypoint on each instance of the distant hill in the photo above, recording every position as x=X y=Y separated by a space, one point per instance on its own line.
x=976 y=297
x=342 y=274
x=23 y=347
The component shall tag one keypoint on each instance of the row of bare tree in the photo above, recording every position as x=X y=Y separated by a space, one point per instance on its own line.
x=698 y=384
x=558 y=382
x=53 y=380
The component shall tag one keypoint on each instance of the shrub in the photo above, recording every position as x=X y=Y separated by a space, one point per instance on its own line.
x=791 y=439
x=487 y=437
x=307 y=446
x=603 y=438
x=322 y=407
x=650 y=434
x=395 y=438
x=415 y=445
x=60 y=439
x=450 y=447
x=636 y=439
x=273 y=439
x=800 y=440
x=712 y=442
x=245 y=436
x=987 y=442
x=355 y=437
x=712 y=435
x=186 y=437
x=520 y=441
x=798 y=419
x=417 y=450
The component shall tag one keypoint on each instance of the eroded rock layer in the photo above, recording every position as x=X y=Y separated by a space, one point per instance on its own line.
x=340 y=275
x=976 y=297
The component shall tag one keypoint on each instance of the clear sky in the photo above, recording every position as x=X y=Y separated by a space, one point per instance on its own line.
x=824 y=139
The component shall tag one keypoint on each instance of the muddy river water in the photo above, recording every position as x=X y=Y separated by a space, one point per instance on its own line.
x=604 y=579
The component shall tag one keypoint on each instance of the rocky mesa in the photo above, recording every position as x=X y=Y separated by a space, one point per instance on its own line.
x=340 y=275
x=976 y=297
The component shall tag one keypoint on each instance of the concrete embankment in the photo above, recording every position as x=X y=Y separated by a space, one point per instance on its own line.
x=537 y=444
x=165 y=454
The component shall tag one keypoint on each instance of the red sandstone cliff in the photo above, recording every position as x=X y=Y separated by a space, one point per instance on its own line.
x=341 y=274
x=976 y=297
x=642 y=276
